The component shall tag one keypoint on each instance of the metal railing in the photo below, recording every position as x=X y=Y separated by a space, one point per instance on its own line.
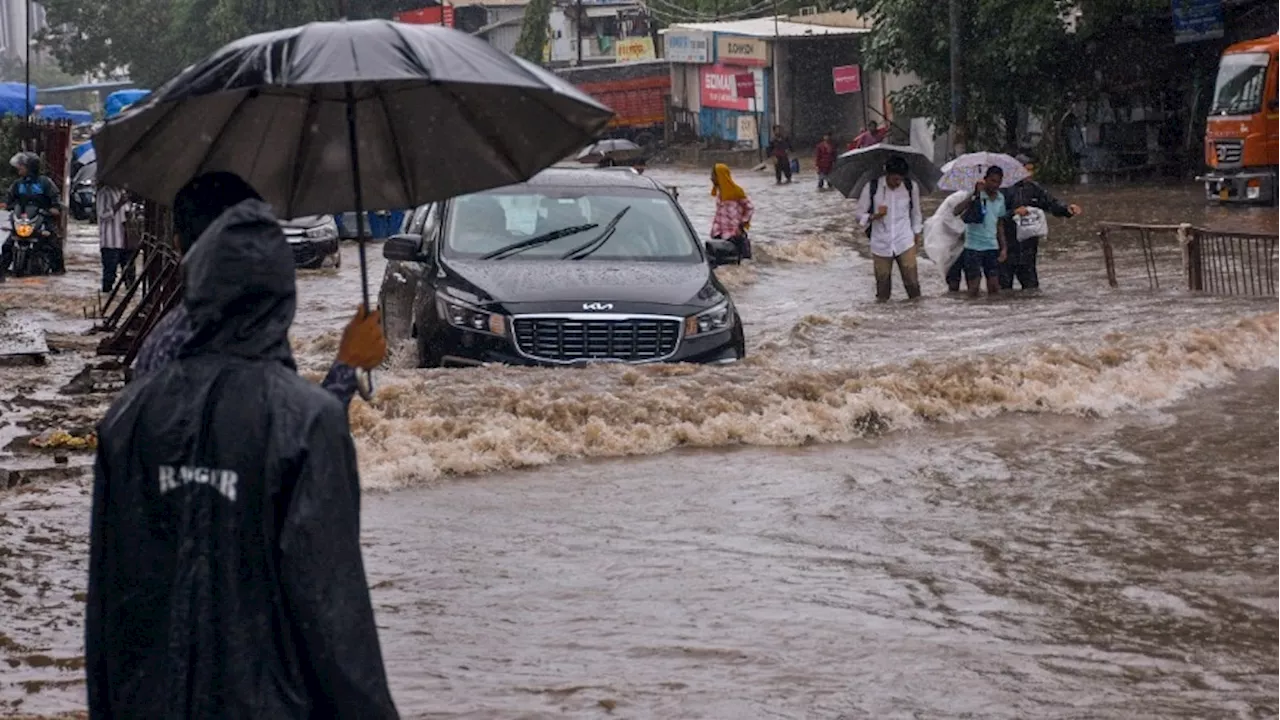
x=134 y=307
x=1212 y=261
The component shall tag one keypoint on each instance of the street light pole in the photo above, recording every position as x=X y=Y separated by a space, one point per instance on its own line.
x=27 y=30
x=958 y=110
x=577 y=24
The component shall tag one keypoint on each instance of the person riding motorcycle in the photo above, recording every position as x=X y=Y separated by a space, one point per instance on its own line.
x=33 y=189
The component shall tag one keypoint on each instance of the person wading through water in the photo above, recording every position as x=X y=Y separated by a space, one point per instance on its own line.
x=1026 y=227
x=733 y=211
x=195 y=208
x=985 y=246
x=225 y=570
x=889 y=210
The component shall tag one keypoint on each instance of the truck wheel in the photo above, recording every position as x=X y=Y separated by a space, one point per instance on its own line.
x=645 y=139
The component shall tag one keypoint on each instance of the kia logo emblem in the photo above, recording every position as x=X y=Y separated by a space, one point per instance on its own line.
x=597 y=306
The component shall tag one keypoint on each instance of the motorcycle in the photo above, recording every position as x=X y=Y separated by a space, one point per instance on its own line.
x=84 y=199
x=84 y=195
x=35 y=245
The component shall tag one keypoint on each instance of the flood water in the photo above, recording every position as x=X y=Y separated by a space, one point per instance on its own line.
x=1060 y=505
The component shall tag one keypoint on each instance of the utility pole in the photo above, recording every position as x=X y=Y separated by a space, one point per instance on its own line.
x=959 y=111
x=577 y=26
x=342 y=9
x=28 y=87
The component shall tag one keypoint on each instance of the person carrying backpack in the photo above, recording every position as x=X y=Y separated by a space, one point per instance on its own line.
x=889 y=209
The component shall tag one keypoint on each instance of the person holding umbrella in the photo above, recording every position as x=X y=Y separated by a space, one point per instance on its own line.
x=195 y=208
x=225 y=569
x=985 y=246
x=889 y=209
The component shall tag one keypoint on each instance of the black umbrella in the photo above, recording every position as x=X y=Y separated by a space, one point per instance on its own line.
x=858 y=167
x=414 y=113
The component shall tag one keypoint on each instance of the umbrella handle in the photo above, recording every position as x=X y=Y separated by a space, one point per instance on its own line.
x=364 y=384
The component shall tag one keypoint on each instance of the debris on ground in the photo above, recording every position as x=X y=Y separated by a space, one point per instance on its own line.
x=50 y=439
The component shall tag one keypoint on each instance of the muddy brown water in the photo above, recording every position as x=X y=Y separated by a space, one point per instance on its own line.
x=1060 y=505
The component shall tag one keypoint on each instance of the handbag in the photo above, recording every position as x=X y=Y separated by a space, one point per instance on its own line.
x=976 y=213
x=1032 y=225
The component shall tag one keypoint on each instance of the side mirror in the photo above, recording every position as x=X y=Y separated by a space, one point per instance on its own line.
x=405 y=248
x=722 y=252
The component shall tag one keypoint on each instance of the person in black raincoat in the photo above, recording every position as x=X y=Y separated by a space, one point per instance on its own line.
x=225 y=572
x=35 y=189
x=1020 y=198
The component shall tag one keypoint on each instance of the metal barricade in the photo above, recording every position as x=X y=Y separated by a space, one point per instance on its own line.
x=1212 y=261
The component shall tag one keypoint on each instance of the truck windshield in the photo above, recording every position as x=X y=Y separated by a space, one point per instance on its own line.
x=1238 y=90
x=650 y=230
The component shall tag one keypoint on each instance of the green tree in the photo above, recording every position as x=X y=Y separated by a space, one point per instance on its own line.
x=152 y=40
x=535 y=29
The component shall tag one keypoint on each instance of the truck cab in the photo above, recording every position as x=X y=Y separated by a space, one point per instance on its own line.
x=1241 y=133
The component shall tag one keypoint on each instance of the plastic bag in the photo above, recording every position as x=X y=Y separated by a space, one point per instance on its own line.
x=1032 y=225
x=944 y=232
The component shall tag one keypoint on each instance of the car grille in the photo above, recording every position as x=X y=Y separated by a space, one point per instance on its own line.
x=1228 y=151
x=569 y=339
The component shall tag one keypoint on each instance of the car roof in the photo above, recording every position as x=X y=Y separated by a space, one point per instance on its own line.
x=561 y=176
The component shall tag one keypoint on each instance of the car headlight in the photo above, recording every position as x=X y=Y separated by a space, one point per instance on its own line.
x=467 y=317
x=323 y=232
x=717 y=319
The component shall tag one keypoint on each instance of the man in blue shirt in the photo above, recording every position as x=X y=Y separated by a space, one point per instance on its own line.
x=984 y=242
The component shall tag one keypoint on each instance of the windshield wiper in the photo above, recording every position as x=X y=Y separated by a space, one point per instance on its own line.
x=535 y=241
x=598 y=241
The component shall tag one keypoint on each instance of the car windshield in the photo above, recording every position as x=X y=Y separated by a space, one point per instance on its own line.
x=651 y=229
x=1238 y=90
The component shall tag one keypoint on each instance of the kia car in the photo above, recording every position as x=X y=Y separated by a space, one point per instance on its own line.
x=575 y=266
x=314 y=240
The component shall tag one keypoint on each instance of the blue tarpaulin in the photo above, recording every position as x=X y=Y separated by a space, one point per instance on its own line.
x=78 y=151
x=14 y=98
x=121 y=99
x=58 y=112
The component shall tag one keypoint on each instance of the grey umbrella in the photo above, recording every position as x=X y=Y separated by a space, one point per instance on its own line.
x=412 y=114
x=340 y=116
x=858 y=167
x=610 y=147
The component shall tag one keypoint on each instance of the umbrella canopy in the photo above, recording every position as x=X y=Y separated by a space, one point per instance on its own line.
x=117 y=101
x=965 y=171
x=436 y=113
x=856 y=168
x=608 y=148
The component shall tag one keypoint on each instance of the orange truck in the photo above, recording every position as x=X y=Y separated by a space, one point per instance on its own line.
x=1240 y=145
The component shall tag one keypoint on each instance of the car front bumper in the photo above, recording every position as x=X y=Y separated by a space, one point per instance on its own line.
x=461 y=348
x=1258 y=186
x=310 y=253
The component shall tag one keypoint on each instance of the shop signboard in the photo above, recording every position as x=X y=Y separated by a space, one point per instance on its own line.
x=719 y=88
x=633 y=49
x=846 y=79
x=433 y=15
x=1196 y=20
x=737 y=50
x=687 y=46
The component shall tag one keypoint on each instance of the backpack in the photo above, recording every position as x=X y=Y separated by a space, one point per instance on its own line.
x=875 y=185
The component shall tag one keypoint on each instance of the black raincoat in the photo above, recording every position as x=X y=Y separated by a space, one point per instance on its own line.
x=225 y=575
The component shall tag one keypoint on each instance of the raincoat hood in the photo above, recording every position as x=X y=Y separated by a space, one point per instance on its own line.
x=722 y=184
x=240 y=286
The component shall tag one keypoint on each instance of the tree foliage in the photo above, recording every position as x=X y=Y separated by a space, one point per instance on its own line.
x=152 y=40
x=535 y=30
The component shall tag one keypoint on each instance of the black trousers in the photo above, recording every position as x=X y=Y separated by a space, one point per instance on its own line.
x=1021 y=265
x=114 y=261
x=781 y=169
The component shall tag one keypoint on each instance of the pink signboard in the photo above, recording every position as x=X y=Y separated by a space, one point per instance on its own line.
x=720 y=88
x=846 y=79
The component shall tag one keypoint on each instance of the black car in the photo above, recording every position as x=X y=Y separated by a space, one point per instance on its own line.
x=574 y=266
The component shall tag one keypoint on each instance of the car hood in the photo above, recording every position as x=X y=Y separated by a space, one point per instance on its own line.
x=514 y=281
x=306 y=222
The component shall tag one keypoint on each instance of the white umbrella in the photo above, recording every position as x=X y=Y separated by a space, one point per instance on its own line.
x=944 y=232
x=965 y=171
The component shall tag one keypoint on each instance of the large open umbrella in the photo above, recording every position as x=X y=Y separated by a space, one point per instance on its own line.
x=412 y=114
x=965 y=171
x=856 y=168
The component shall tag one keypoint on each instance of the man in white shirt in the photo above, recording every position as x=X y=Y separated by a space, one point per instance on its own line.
x=890 y=210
